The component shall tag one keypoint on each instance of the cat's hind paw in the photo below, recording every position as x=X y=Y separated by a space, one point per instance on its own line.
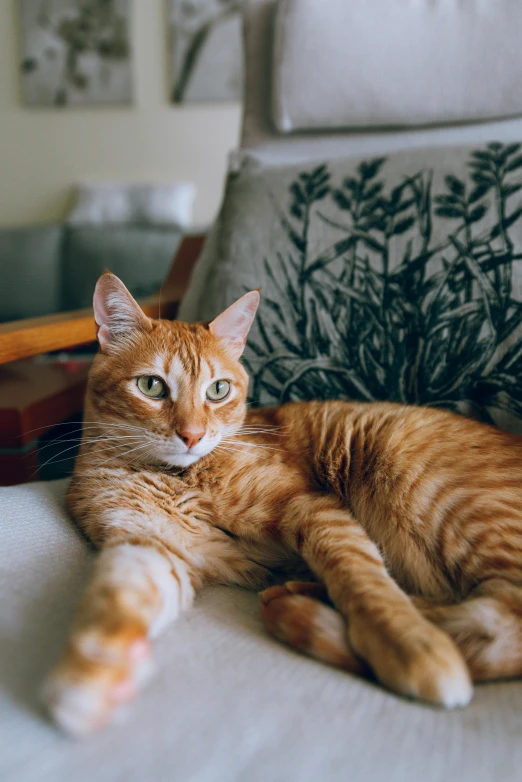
x=294 y=614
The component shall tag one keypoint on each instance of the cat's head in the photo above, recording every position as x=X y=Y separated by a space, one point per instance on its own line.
x=180 y=386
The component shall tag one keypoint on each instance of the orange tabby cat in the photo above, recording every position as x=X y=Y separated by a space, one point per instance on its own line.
x=411 y=518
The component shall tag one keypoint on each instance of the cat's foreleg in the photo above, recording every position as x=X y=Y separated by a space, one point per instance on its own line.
x=135 y=591
x=406 y=652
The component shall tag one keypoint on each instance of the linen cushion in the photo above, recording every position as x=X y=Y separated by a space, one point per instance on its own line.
x=228 y=702
x=393 y=278
x=386 y=64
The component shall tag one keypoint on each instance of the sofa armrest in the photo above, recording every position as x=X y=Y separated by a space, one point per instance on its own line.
x=23 y=338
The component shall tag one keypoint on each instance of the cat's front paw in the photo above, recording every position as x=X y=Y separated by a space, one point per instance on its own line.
x=420 y=662
x=94 y=678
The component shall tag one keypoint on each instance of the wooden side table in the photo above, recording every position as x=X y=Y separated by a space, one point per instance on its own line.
x=34 y=398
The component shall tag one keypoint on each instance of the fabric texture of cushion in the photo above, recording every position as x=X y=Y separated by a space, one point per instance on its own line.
x=158 y=204
x=388 y=64
x=393 y=278
x=228 y=702
x=260 y=137
x=30 y=271
x=141 y=255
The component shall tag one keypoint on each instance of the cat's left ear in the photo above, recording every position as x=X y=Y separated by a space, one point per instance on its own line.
x=233 y=325
x=118 y=316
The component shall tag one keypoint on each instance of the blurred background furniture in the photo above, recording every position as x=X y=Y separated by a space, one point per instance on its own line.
x=41 y=396
x=53 y=268
x=36 y=400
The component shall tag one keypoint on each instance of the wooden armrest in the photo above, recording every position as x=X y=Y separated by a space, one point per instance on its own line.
x=23 y=338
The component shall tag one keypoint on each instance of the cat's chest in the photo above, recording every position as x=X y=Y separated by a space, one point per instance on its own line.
x=250 y=498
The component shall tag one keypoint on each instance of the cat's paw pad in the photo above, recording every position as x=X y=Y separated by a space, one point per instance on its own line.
x=90 y=685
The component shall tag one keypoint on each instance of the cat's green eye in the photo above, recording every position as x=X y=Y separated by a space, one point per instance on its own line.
x=152 y=386
x=219 y=390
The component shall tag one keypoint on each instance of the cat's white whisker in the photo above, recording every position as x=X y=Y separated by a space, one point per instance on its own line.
x=88 y=441
x=226 y=448
x=86 y=424
x=55 y=460
x=123 y=455
x=260 y=432
x=263 y=427
x=253 y=445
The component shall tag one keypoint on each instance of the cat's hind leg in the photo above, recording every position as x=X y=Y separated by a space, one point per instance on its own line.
x=487 y=628
x=298 y=613
x=406 y=652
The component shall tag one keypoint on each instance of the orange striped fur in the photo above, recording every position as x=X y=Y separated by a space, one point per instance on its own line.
x=408 y=520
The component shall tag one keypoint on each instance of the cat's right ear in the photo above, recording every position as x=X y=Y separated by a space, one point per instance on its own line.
x=118 y=316
x=233 y=325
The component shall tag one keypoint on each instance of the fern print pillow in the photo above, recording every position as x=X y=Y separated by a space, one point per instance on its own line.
x=394 y=278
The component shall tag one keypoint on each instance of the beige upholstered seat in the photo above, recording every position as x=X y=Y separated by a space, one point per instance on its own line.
x=227 y=703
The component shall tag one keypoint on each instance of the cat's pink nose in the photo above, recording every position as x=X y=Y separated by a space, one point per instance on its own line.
x=191 y=435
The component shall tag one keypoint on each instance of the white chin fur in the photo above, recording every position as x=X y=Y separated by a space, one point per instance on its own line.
x=186 y=459
x=183 y=459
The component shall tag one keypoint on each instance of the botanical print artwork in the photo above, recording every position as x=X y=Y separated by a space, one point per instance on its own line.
x=390 y=308
x=76 y=52
x=207 y=54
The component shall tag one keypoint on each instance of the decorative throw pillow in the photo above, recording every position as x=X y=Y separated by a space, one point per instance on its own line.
x=395 y=278
x=159 y=204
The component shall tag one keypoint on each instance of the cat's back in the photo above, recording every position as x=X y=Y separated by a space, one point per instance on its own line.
x=385 y=424
x=430 y=436
x=428 y=486
x=394 y=443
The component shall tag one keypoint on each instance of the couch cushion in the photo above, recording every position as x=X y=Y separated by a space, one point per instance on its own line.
x=29 y=271
x=140 y=255
x=227 y=702
x=387 y=64
x=393 y=278
x=261 y=138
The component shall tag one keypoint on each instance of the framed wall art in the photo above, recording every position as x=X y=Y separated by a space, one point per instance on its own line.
x=206 y=56
x=76 y=52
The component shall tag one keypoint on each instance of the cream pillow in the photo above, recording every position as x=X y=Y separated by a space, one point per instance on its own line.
x=158 y=204
x=376 y=63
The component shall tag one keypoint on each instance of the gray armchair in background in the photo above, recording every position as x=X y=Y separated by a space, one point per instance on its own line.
x=53 y=268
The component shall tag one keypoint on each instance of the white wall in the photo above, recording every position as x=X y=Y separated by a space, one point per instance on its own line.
x=43 y=152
